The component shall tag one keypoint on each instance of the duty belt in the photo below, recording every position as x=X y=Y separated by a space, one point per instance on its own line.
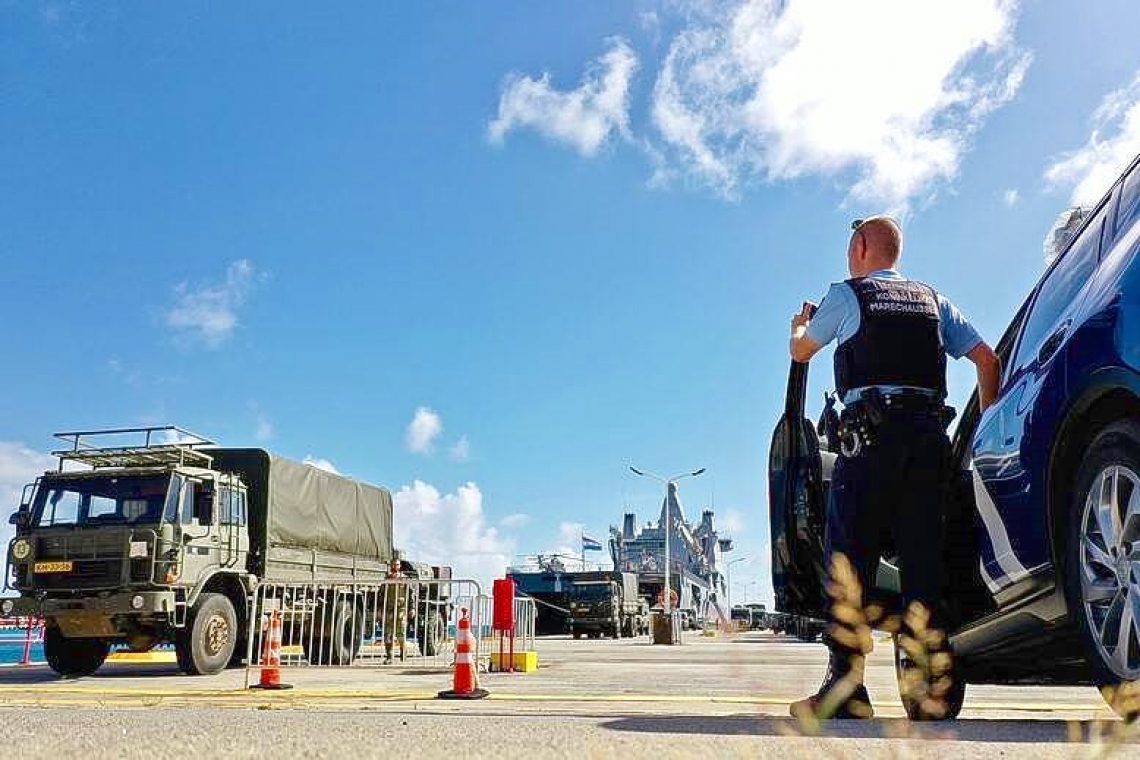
x=860 y=421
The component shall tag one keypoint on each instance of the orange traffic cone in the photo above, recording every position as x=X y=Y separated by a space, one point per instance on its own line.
x=466 y=683
x=271 y=657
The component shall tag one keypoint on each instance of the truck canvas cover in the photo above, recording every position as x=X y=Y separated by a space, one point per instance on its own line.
x=298 y=505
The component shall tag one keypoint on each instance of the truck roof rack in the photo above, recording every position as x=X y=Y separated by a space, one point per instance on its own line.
x=164 y=445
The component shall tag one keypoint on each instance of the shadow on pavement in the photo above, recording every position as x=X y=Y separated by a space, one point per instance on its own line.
x=968 y=730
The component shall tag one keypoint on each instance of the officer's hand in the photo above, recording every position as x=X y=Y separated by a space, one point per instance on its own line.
x=803 y=319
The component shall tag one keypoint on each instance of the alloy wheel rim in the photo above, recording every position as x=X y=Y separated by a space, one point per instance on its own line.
x=1110 y=568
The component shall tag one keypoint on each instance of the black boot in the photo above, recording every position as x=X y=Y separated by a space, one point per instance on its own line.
x=842 y=694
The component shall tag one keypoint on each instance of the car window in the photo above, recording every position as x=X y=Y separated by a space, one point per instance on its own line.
x=1062 y=284
x=1129 y=206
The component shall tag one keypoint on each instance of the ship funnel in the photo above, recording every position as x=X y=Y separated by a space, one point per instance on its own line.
x=629 y=525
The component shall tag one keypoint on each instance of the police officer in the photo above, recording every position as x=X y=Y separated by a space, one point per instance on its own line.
x=893 y=336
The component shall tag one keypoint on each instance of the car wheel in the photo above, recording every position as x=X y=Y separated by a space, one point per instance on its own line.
x=923 y=700
x=1102 y=568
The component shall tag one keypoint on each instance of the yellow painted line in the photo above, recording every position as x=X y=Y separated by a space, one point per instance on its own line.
x=161 y=656
x=41 y=691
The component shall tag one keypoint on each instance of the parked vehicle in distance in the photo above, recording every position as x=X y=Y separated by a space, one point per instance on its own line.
x=1042 y=522
x=606 y=604
x=163 y=540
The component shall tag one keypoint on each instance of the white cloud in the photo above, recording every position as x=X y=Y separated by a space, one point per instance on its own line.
x=461 y=450
x=207 y=313
x=883 y=96
x=732 y=523
x=1010 y=197
x=450 y=529
x=19 y=465
x=583 y=118
x=321 y=464
x=571 y=533
x=423 y=430
x=516 y=520
x=1088 y=172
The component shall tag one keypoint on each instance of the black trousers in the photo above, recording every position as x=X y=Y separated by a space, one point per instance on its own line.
x=894 y=490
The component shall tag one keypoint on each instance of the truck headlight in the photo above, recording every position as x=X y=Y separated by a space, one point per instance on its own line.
x=21 y=549
x=6 y=607
x=137 y=602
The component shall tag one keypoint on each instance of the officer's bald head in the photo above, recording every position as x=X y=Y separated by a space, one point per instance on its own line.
x=876 y=243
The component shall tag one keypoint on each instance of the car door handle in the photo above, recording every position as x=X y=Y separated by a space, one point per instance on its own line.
x=1052 y=343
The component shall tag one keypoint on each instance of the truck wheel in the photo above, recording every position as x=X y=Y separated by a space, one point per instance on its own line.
x=1102 y=567
x=206 y=645
x=341 y=626
x=73 y=658
x=917 y=696
x=435 y=635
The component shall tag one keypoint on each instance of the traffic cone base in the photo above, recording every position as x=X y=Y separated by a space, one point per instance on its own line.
x=473 y=694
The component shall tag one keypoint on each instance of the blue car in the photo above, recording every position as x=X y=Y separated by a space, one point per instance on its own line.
x=1042 y=520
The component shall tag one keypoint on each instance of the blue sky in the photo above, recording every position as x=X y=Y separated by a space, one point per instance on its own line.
x=572 y=233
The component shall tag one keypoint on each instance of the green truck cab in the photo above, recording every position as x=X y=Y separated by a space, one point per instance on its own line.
x=606 y=604
x=165 y=540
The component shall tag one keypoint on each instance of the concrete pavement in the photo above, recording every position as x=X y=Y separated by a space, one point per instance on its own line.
x=596 y=698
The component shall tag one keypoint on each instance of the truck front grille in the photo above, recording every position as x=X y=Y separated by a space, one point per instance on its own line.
x=85 y=574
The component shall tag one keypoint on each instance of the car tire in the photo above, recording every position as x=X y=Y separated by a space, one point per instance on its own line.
x=206 y=644
x=913 y=696
x=1102 y=563
x=73 y=658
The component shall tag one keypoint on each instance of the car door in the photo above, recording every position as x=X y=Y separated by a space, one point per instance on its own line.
x=797 y=503
x=1013 y=544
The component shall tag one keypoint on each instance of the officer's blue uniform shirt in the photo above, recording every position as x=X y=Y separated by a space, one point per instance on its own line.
x=838 y=318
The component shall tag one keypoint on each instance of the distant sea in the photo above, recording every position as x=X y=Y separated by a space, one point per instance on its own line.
x=12 y=652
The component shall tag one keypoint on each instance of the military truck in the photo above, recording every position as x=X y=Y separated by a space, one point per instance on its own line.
x=164 y=539
x=606 y=603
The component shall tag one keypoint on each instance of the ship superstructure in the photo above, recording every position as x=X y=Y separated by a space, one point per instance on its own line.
x=695 y=559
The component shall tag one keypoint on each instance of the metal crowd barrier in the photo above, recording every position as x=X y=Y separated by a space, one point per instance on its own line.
x=403 y=622
x=22 y=631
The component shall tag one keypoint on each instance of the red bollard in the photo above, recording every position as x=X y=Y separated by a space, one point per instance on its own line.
x=29 y=626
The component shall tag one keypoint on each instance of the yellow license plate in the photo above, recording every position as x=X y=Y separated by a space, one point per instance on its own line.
x=52 y=567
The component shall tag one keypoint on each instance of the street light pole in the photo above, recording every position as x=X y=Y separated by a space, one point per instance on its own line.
x=667 y=593
x=729 y=566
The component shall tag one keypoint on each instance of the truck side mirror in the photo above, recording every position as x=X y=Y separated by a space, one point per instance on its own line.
x=21 y=519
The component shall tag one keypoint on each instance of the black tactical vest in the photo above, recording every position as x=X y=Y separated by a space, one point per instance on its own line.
x=898 y=342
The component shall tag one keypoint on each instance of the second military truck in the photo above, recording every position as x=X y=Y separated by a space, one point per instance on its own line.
x=606 y=604
x=165 y=540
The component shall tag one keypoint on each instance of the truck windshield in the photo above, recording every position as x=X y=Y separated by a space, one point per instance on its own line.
x=599 y=591
x=105 y=500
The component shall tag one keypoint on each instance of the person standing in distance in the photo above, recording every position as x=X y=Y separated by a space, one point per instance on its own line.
x=893 y=335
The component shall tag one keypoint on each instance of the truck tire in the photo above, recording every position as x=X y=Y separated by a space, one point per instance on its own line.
x=341 y=627
x=206 y=645
x=73 y=658
x=435 y=634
